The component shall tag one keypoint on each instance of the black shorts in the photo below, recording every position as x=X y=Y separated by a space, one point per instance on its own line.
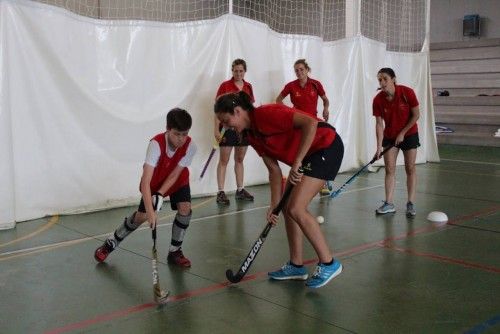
x=181 y=195
x=325 y=163
x=409 y=143
x=233 y=138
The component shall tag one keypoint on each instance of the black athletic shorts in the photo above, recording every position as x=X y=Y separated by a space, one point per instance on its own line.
x=409 y=143
x=325 y=163
x=233 y=138
x=181 y=195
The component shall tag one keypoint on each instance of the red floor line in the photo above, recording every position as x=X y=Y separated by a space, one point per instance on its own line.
x=101 y=318
x=382 y=243
x=135 y=309
x=445 y=259
x=492 y=209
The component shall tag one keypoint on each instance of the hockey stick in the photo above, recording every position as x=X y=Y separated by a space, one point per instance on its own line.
x=258 y=244
x=212 y=152
x=159 y=294
x=338 y=191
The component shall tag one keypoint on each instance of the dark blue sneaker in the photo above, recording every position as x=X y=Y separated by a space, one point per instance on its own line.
x=289 y=272
x=410 y=210
x=324 y=274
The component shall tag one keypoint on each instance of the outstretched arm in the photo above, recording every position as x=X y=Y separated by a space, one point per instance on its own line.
x=308 y=126
x=275 y=177
x=379 y=131
x=326 y=105
x=147 y=175
x=217 y=133
x=414 y=116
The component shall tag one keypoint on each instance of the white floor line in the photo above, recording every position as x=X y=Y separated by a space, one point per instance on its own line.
x=75 y=241
x=473 y=162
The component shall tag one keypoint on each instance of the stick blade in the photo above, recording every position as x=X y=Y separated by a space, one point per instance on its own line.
x=162 y=297
x=231 y=277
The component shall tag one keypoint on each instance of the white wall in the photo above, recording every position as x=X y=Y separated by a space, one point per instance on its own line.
x=447 y=17
x=80 y=99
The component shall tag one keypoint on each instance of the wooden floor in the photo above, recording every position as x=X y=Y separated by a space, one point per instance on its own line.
x=400 y=275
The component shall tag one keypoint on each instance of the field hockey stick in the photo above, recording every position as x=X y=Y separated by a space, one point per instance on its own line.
x=212 y=152
x=260 y=241
x=338 y=191
x=159 y=294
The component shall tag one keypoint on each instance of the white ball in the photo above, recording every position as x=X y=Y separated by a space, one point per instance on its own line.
x=320 y=219
x=437 y=217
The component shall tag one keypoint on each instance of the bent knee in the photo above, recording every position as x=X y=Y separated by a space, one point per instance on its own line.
x=296 y=214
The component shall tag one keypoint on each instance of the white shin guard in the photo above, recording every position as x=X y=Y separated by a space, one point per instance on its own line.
x=126 y=228
x=179 y=227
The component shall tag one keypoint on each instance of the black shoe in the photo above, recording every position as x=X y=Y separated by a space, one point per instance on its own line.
x=222 y=198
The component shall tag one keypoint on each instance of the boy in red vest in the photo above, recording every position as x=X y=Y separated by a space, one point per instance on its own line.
x=165 y=173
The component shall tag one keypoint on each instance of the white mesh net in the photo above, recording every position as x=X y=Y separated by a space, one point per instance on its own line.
x=400 y=24
x=150 y=10
x=325 y=19
x=334 y=20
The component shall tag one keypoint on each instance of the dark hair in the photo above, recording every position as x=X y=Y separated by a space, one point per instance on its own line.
x=179 y=119
x=239 y=62
x=387 y=70
x=227 y=102
x=303 y=62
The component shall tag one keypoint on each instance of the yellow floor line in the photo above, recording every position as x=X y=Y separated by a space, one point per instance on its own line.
x=45 y=249
x=52 y=221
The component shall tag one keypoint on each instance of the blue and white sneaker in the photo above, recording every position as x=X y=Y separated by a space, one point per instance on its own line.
x=324 y=274
x=289 y=272
x=386 y=208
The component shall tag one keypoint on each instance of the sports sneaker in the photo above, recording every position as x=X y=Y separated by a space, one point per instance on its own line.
x=102 y=252
x=324 y=274
x=222 y=198
x=410 y=210
x=289 y=271
x=178 y=258
x=385 y=208
x=325 y=190
x=243 y=195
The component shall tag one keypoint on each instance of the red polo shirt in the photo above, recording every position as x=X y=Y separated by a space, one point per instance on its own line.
x=230 y=87
x=304 y=98
x=272 y=133
x=396 y=113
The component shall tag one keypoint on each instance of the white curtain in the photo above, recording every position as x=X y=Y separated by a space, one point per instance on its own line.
x=80 y=99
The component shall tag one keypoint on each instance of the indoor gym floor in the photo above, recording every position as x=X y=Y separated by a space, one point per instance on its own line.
x=400 y=275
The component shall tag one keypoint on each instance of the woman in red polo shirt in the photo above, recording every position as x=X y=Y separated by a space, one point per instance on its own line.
x=231 y=138
x=304 y=93
x=396 y=110
x=280 y=133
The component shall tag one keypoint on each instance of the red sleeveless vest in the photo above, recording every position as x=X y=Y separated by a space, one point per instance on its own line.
x=166 y=165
